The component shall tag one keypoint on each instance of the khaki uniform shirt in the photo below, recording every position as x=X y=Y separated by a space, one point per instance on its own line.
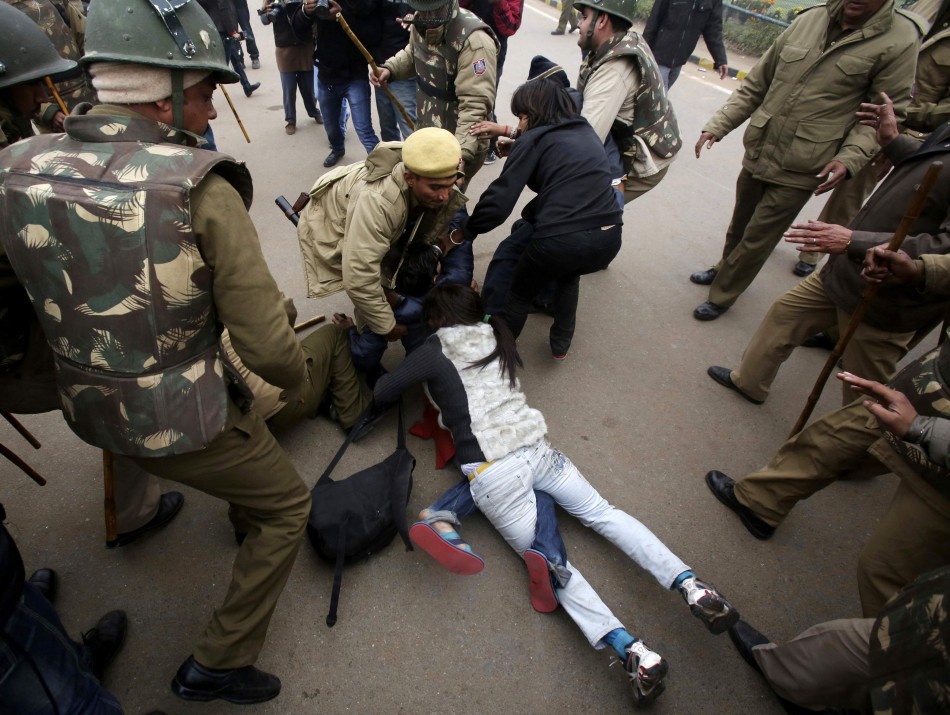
x=800 y=99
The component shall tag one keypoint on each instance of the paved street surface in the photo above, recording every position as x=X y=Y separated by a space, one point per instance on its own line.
x=632 y=406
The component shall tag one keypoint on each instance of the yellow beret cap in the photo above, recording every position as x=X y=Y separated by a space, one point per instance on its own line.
x=432 y=152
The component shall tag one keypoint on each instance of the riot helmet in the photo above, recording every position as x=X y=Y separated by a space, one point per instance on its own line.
x=432 y=13
x=174 y=34
x=618 y=8
x=26 y=54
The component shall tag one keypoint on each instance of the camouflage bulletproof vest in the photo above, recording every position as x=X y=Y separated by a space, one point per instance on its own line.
x=97 y=225
x=907 y=654
x=436 y=69
x=925 y=383
x=653 y=118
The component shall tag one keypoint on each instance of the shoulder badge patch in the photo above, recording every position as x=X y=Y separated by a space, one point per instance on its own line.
x=480 y=66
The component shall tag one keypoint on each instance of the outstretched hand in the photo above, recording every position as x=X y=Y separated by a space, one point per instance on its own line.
x=707 y=138
x=819 y=237
x=836 y=173
x=881 y=118
x=891 y=408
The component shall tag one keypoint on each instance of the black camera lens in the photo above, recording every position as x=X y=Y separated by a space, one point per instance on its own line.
x=322 y=10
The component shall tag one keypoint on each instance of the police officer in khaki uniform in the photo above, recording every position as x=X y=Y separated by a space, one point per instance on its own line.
x=452 y=55
x=929 y=108
x=136 y=338
x=361 y=218
x=803 y=138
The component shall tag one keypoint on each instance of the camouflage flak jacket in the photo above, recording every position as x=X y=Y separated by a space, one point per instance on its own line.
x=436 y=68
x=653 y=120
x=910 y=649
x=925 y=383
x=97 y=226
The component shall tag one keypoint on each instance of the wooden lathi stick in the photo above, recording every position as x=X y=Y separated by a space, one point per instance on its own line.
x=913 y=211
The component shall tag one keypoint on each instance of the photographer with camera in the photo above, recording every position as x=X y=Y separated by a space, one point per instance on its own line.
x=341 y=68
x=224 y=17
x=294 y=52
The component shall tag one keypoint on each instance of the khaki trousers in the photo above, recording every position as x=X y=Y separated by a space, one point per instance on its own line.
x=567 y=15
x=912 y=538
x=825 y=666
x=137 y=494
x=329 y=367
x=247 y=468
x=808 y=462
x=797 y=315
x=762 y=213
x=634 y=186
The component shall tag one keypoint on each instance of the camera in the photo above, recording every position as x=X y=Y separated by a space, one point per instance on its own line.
x=322 y=11
x=273 y=9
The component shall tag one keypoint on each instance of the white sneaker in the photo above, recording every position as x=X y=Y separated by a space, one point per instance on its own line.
x=708 y=605
x=646 y=670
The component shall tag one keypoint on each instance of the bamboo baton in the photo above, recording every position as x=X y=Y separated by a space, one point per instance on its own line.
x=372 y=63
x=59 y=100
x=913 y=211
x=309 y=322
x=26 y=468
x=234 y=111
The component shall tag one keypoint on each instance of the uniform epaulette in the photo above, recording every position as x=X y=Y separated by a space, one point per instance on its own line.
x=920 y=23
x=806 y=9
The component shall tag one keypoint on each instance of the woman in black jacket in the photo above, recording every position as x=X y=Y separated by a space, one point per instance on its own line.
x=575 y=218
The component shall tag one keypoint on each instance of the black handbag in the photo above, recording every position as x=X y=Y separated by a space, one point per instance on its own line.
x=355 y=517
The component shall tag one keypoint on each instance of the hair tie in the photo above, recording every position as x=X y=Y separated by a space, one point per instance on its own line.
x=487 y=318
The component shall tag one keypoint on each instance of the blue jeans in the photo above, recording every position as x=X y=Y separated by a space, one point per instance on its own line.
x=669 y=74
x=356 y=93
x=42 y=670
x=289 y=82
x=244 y=21
x=234 y=55
x=547 y=536
x=391 y=122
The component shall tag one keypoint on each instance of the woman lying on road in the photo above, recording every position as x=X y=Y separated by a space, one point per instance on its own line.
x=468 y=367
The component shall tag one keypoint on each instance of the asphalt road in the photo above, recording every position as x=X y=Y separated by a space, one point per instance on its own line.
x=632 y=406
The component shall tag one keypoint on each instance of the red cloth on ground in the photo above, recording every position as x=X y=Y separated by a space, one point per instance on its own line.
x=429 y=428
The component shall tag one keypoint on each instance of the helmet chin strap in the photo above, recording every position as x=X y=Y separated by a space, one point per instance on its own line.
x=178 y=98
x=589 y=36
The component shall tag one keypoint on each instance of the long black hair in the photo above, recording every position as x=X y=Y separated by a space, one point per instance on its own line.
x=451 y=304
x=542 y=101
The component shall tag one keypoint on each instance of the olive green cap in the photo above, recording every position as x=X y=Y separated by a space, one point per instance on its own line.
x=620 y=8
x=177 y=34
x=26 y=54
